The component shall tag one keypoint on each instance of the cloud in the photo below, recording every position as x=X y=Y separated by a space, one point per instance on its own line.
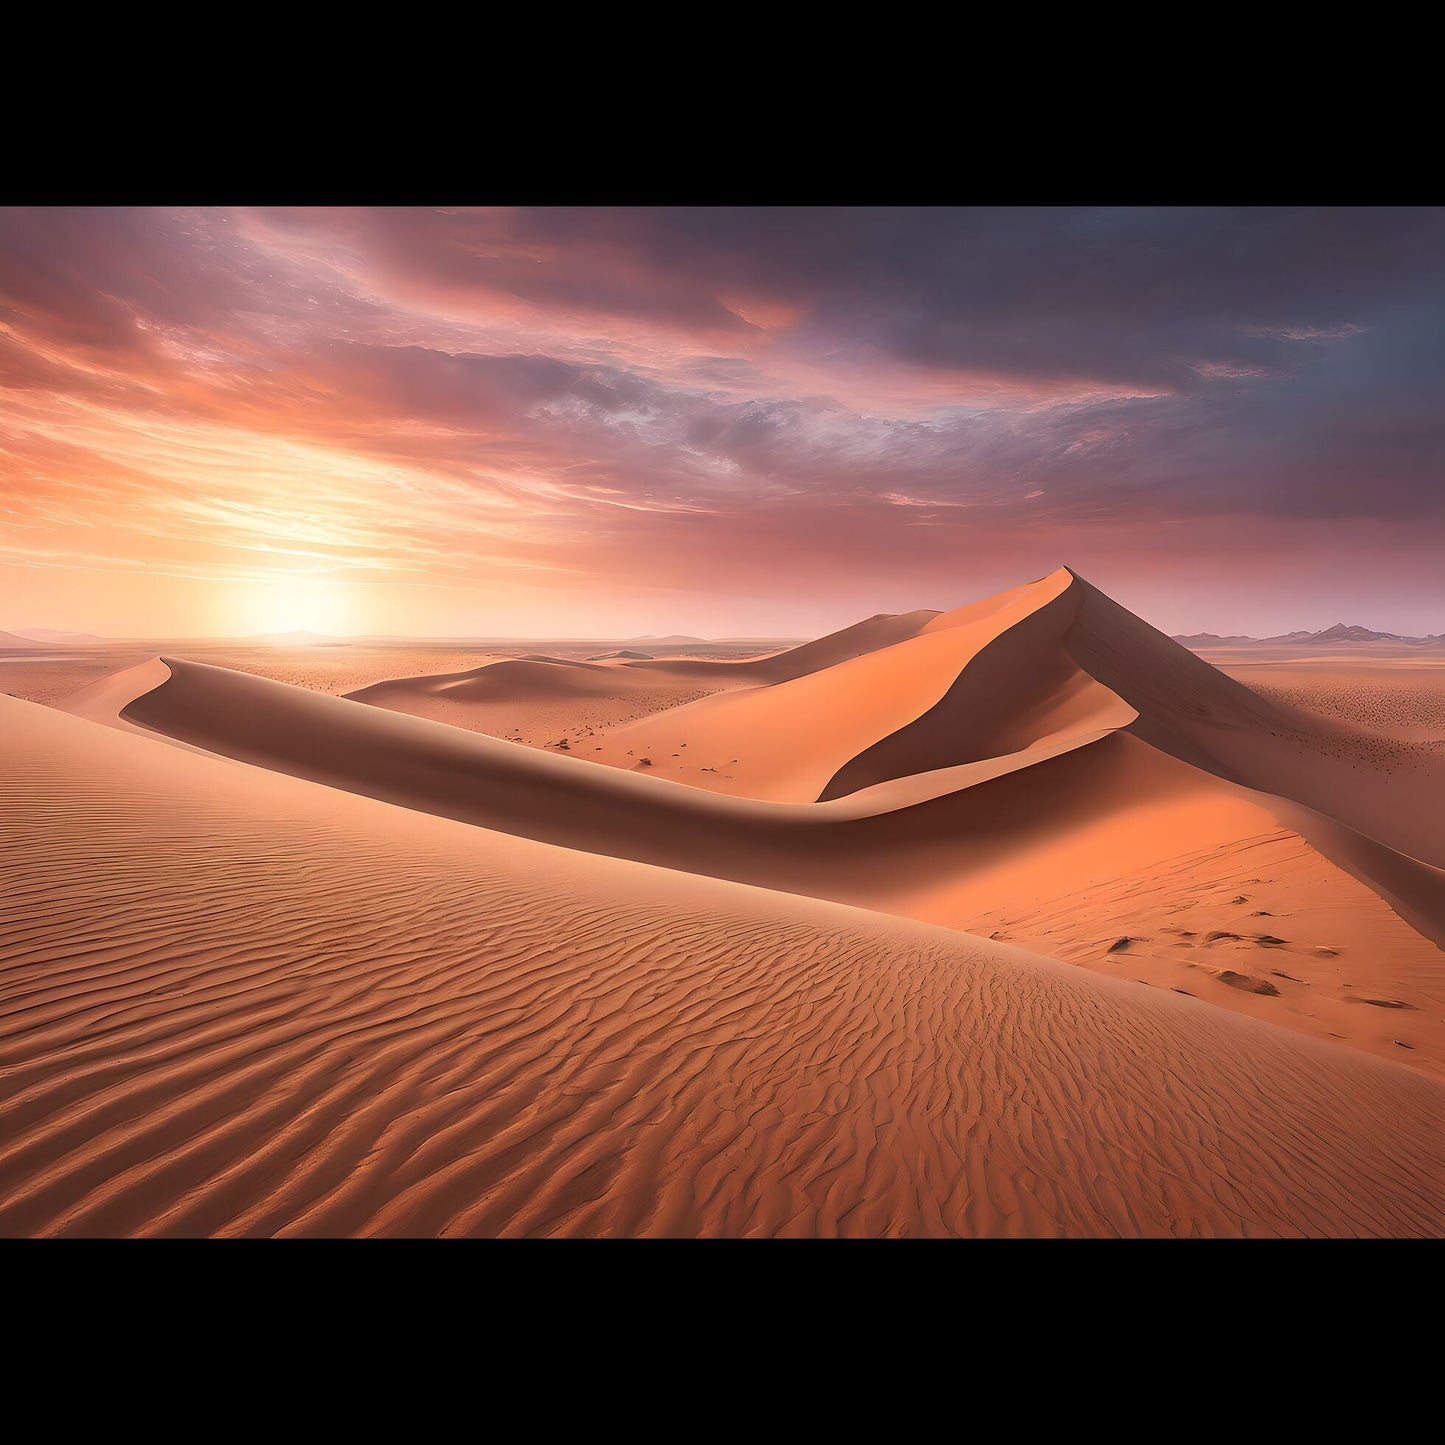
x=706 y=397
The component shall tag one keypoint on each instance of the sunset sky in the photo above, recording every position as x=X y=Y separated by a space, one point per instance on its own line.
x=726 y=422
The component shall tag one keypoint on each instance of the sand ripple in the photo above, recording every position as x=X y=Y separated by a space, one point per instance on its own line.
x=261 y=1007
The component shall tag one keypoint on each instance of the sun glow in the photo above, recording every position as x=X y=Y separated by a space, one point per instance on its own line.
x=297 y=605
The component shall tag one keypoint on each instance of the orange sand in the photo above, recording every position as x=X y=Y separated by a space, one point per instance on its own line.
x=242 y=1004
x=284 y=962
x=1076 y=821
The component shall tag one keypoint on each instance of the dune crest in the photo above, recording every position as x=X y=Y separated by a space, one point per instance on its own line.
x=1196 y=713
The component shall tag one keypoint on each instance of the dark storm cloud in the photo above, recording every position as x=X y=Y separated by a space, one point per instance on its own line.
x=1114 y=294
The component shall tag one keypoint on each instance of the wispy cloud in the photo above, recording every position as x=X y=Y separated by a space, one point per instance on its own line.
x=709 y=402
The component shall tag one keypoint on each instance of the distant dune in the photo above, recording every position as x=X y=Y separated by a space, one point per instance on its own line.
x=15 y=640
x=533 y=674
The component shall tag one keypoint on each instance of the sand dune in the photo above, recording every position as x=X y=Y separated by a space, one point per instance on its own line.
x=1041 y=660
x=800 y=717
x=898 y=696
x=542 y=699
x=854 y=723
x=282 y=962
x=1050 y=665
x=1394 y=793
x=960 y=846
x=241 y=1003
x=535 y=698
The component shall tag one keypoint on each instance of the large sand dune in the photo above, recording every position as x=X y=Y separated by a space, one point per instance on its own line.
x=900 y=696
x=997 y=845
x=241 y=1003
x=1394 y=792
x=854 y=722
x=276 y=961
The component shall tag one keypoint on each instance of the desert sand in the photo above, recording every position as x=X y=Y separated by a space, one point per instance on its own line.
x=1399 y=697
x=1019 y=919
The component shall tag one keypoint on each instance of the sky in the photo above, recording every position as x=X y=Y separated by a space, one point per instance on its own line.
x=589 y=422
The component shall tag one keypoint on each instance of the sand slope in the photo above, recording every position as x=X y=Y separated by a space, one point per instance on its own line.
x=240 y=1003
x=971 y=685
x=1390 y=791
x=873 y=633
x=900 y=696
x=965 y=846
x=544 y=699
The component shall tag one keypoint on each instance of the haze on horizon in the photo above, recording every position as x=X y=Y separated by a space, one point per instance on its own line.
x=715 y=421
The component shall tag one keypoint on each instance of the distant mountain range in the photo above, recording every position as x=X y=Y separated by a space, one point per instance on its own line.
x=1340 y=632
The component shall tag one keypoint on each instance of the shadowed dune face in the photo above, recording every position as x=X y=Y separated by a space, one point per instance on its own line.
x=1018 y=687
x=236 y=1003
x=1195 y=712
x=792 y=740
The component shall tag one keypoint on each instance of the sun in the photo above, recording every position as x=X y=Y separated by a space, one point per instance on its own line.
x=298 y=605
